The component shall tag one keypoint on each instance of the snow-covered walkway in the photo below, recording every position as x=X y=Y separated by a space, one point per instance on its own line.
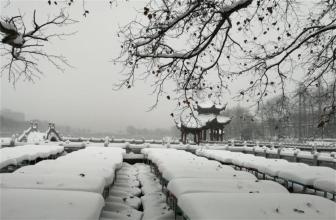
x=136 y=194
x=206 y=189
x=297 y=176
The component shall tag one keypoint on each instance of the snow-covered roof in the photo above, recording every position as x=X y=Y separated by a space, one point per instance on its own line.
x=223 y=119
x=201 y=120
x=208 y=104
x=191 y=122
x=24 y=134
x=33 y=135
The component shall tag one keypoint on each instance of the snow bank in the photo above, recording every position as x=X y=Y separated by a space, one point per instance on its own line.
x=207 y=174
x=93 y=162
x=327 y=184
x=256 y=206
x=189 y=165
x=52 y=182
x=181 y=186
x=295 y=172
x=15 y=155
x=50 y=204
x=307 y=175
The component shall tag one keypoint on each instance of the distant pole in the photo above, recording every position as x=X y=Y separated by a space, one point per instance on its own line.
x=320 y=103
x=300 y=114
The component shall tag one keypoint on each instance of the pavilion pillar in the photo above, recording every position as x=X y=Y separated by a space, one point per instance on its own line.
x=199 y=136
x=205 y=134
x=217 y=134
x=195 y=138
x=222 y=134
x=184 y=138
x=211 y=134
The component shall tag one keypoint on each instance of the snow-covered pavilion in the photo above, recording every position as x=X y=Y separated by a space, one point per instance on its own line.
x=206 y=123
x=33 y=135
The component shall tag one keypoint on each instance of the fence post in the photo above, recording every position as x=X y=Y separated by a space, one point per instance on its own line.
x=295 y=155
x=279 y=151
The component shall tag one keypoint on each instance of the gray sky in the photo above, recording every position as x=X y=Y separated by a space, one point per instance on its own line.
x=84 y=96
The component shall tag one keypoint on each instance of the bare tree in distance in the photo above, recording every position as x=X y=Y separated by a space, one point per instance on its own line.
x=267 y=41
x=23 y=47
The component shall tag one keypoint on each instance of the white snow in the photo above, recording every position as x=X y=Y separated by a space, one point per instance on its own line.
x=297 y=172
x=256 y=206
x=114 y=207
x=155 y=207
x=190 y=166
x=131 y=201
x=50 y=204
x=52 y=182
x=122 y=201
x=35 y=136
x=208 y=174
x=15 y=155
x=181 y=186
x=200 y=120
x=90 y=162
x=206 y=103
x=223 y=119
x=307 y=175
x=5 y=141
x=327 y=184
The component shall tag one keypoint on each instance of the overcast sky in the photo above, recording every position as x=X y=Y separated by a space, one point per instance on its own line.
x=83 y=96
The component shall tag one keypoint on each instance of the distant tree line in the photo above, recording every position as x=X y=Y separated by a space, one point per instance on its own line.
x=300 y=117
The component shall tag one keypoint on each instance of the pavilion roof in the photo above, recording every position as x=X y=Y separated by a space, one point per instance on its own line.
x=209 y=104
x=202 y=120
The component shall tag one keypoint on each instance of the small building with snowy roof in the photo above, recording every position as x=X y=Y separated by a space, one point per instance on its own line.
x=206 y=123
x=33 y=135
